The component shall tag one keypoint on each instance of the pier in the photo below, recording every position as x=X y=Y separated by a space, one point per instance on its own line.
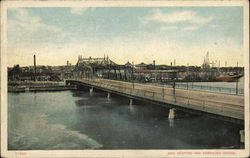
x=225 y=106
x=36 y=88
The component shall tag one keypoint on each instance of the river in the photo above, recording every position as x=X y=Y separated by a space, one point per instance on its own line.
x=80 y=120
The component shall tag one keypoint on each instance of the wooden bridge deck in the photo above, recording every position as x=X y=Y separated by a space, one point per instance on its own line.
x=228 y=105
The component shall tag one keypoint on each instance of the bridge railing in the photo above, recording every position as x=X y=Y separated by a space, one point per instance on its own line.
x=190 y=85
x=188 y=97
x=238 y=91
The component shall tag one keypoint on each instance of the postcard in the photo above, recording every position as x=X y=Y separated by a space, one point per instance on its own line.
x=125 y=78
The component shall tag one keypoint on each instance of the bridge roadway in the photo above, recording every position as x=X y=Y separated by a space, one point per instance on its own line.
x=227 y=106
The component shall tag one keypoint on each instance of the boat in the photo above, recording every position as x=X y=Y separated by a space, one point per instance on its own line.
x=231 y=77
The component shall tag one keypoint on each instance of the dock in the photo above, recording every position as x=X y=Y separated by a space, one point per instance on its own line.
x=41 y=88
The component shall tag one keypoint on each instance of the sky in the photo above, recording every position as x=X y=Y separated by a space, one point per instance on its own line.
x=135 y=34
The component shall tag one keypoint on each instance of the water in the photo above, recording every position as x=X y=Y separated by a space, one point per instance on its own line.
x=80 y=120
x=221 y=87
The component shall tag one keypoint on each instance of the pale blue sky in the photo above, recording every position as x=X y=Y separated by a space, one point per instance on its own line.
x=126 y=34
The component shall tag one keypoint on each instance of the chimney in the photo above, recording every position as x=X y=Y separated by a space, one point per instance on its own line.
x=154 y=63
x=34 y=67
x=35 y=64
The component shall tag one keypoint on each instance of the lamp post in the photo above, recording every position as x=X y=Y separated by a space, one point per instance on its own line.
x=237 y=80
x=174 y=86
x=163 y=90
x=192 y=80
x=174 y=77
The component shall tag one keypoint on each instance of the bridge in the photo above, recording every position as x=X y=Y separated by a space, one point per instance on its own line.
x=223 y=106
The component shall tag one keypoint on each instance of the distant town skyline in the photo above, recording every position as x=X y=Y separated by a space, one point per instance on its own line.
x=135 y=34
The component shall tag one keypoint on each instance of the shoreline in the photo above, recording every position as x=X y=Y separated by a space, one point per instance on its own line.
x=33 y=88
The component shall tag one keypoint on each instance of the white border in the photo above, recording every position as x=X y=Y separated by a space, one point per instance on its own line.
x=114 y=153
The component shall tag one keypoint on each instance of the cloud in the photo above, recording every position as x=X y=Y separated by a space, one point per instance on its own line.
x=190 y=28
x=185 y=17
x=177 y=17
x=27 y=22
x=136 y=46
x=78 y=11
x=25 y=28
x=213 y=26
x=168 y=28
x=44 y=39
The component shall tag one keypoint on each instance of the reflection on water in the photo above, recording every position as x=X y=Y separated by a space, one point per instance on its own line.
x=78 y=120
x=171 y=122
x=131 y=108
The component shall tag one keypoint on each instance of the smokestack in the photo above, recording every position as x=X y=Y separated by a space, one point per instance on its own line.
x=35 y=64
x=154 y=63
x=34 y=67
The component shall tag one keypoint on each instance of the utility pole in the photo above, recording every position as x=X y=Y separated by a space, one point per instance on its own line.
x=163 y=95
x=237 y=68
x=154 y=70
x=237 y=86
x=133 y=75
x=109 y=71
x=187 y=74
x=174 y=77
x=237 y=79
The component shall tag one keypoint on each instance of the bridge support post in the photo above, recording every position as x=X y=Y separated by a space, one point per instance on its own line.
x=130 y=101
x=91 y=90
x=108 y=96
x=171 y=114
